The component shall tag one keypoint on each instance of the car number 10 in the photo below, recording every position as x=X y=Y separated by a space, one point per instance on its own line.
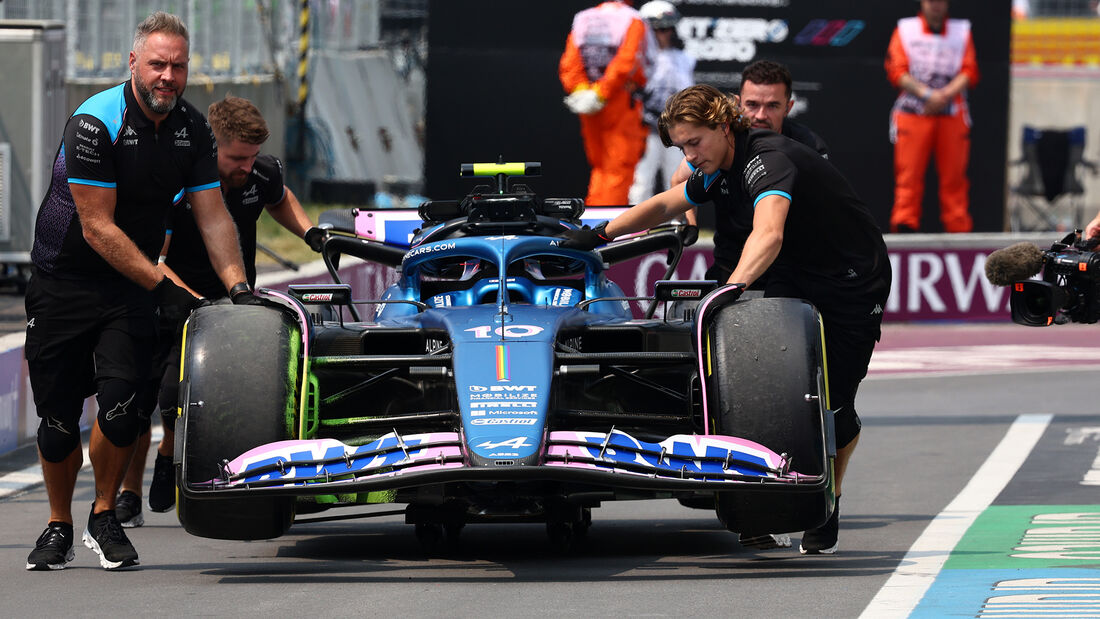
x=506 y=331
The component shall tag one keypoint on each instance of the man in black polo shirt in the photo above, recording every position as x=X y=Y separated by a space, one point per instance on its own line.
x=766 y=100
x=251 y=183
x=810 y=232
x=126 y=152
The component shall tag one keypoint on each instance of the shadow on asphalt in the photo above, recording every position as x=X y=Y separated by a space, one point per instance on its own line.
x=614 y=550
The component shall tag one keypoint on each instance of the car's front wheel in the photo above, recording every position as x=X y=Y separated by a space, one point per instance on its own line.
x=238 y=391
x=766 y=385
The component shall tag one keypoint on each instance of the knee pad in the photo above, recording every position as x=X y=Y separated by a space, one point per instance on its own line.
x=847 y=424
x=144 y=424
x=119 y=411
x=147 y=400
x=57 y=439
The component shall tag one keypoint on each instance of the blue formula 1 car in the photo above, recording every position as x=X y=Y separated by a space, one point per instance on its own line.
x=501 y=378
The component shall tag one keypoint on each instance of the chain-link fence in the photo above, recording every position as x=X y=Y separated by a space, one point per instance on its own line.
x=228 y=37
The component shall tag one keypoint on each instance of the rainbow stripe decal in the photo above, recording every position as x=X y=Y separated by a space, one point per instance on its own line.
x=504 y=372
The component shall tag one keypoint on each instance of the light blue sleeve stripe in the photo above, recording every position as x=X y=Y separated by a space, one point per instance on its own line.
x=774 y=192
x=213 y=185
x=84 y=181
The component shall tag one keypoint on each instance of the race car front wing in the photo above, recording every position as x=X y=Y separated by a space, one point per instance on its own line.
x=614 y=458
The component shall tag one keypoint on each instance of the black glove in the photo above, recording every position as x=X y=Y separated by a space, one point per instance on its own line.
x=174 y=302
x=586 y=238
x=690 y=235
x=735 y=291
x=315 y=238
x=241 y=294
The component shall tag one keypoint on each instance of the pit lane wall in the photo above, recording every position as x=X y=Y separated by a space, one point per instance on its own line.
x=936 y=278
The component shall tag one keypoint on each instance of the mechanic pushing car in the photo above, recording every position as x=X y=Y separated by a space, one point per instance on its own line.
x=125 y=154
x=766 y=99
x=251 y=183
x=808 y=227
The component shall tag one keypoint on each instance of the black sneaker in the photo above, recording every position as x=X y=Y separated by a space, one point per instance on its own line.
x=105 y=536
x=128 y=509
x=54 y=548
x=822 y=540
x=766 y=541
x=162 y=490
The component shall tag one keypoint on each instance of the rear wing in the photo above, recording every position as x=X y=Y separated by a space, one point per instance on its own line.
x=397 y=226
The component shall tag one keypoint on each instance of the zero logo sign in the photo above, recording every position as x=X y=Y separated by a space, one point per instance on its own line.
x=723 y=38
x=506 y=331
x=834 y=32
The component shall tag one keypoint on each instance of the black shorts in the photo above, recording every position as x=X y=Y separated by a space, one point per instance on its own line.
x=168 y=365
x=80 y=332
x=167 y=362
x=853 y=324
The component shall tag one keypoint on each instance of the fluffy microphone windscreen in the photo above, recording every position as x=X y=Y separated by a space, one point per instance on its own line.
x=1013 y=263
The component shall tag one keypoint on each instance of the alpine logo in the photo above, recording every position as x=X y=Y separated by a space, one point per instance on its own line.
x=833 y=32
x=514 y=443
x=181 y=138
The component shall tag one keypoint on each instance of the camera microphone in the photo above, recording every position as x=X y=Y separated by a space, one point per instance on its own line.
x=1013 y=263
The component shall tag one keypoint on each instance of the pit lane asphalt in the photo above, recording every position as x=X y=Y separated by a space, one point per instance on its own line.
x=927 y=430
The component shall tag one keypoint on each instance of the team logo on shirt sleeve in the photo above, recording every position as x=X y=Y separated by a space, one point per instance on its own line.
x=754 y=170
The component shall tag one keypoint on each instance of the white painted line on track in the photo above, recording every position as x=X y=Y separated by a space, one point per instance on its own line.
x=920 y=566
x=983 y=359
x=18 y=481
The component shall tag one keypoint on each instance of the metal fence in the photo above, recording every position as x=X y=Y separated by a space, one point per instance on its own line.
x=228 y=37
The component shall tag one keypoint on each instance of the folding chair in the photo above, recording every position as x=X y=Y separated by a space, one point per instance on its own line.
x=1049 y=195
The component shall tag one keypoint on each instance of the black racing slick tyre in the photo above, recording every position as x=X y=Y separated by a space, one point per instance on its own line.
x=240 y=374
x=767 y=386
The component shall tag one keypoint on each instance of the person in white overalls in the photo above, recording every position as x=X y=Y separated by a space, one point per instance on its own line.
x=673 y=71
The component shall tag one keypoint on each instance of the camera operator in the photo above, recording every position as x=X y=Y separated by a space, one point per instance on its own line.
x=1092 y=229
